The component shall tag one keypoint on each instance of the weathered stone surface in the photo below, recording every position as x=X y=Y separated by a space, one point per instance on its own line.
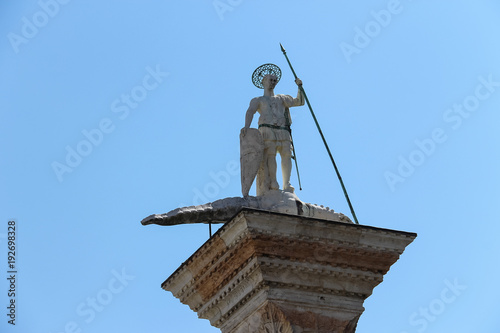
x=271 y=272
x=223 y=210
x=274 y=131
x=251 y=156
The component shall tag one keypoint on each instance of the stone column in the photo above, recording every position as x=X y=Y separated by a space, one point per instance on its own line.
x=268 y=272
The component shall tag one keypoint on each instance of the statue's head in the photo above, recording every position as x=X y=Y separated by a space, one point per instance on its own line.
x=270 y=81
x=266 y=72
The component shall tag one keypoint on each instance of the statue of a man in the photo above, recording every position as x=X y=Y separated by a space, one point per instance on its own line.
x=274 y=125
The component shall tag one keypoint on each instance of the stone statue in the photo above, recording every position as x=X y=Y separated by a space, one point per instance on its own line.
x=274 y=127
x=258 y=149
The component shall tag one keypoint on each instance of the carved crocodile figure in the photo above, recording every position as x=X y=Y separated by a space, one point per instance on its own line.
x=221 y=211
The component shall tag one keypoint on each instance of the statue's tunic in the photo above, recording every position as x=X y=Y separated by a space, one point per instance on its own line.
x=274 y=119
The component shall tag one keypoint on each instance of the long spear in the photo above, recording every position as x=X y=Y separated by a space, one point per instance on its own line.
x=322 y=137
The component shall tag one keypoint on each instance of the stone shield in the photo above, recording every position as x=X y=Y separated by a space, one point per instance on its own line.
x=251 y=156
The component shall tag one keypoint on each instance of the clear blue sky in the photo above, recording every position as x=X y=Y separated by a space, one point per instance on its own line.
x=115 y=110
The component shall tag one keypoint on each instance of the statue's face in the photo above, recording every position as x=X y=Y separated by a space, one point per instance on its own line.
x=269 y=81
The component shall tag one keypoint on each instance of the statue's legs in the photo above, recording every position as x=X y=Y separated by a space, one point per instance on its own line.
x=270 y=164
x=285 y=150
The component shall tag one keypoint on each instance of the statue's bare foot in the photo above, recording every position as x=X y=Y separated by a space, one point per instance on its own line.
x=289 y=188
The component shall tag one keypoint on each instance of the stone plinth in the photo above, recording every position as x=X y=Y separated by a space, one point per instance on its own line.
x=269 y=272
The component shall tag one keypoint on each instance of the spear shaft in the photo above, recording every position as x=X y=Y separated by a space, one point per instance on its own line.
x=322 y=137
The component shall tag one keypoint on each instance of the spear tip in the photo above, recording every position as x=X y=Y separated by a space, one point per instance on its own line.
x=282 y=48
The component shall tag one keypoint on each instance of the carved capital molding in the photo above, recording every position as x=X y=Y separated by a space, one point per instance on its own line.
x=273 y=320
x=268 y=272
